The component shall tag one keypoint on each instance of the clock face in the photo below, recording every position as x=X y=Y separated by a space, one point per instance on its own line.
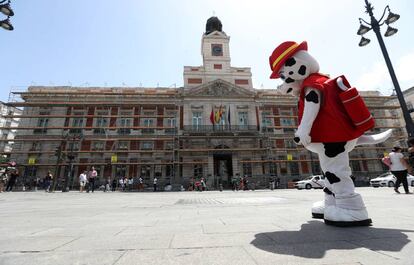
x=217 y=49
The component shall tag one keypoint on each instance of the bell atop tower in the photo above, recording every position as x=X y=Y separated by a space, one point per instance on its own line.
x=213 y=24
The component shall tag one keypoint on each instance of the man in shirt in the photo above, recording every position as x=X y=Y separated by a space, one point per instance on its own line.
x=155 y=183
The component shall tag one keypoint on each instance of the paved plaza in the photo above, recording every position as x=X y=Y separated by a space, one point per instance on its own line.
x=245 y=227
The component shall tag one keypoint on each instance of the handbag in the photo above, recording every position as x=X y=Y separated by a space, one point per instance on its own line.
x=387 y=161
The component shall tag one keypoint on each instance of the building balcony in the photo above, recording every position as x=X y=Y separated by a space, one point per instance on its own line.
x=124 y=131
x=220 y=128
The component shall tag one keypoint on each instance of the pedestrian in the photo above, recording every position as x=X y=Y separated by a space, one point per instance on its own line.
x=399 y=168
x=36 y=181
x=140 y=184
x=47 y=181
x=92 y=177
x=277 y=182
x=82 y=181
x=203 y=184
x=245 y=183
x=114 y=182
x=3 y=180
x=272 y=183
x=12 y=179
x=125 y=181
x=235 y=183
x=107 y=183
x=411 y=153
x=155 y=183
x=130 y=183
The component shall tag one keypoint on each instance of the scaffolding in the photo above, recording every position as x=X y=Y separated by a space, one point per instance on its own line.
x=122 y=129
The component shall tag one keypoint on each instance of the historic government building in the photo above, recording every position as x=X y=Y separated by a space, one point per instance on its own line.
x=216 y=126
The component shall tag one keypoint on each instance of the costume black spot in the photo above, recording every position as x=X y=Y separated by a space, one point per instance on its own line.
x=332 y=178
x=312 y=97
x=291 y=61
x=302 y=70
x=333 y=149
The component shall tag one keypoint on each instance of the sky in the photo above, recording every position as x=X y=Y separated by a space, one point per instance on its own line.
x=148 y=42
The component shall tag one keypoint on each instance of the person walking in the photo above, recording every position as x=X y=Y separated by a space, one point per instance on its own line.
x=399 y=168
x=82 y=181
x=107 y=183
x=203 y=184
x=92 y=177
x=47 y=181
x=12 y=179
x=3 y=180
x=140 y=184
x=113 y=186
x=155 y=183
x=130 y=183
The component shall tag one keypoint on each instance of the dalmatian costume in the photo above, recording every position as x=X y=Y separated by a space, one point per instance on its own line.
x=326 y=129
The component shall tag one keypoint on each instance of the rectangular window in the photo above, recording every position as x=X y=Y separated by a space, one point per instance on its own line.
x=218 y=66
x=125 y=124
x=247 y=169
x=123 y=145
x=197 y=119
x=101 y=122
x=195 y=81
x=169 y=145
x=198 y=171
x=243 y=118
x=77 y=122
x=98 y=145
x=42 y=122
x=294 y=168
x=241 y=82
x=287 y=122
x=73 y=146
x=148 y=122
x=147 y=145
x=266 y=122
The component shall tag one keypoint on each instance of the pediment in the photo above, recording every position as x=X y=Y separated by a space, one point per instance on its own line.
x=219 y=88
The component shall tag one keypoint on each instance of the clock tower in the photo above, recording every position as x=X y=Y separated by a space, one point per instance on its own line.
x=216 y=60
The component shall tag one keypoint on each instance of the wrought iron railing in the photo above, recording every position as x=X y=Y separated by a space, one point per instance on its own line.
x=220 y=128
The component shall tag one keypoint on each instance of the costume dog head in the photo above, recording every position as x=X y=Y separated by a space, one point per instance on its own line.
x=292 y=63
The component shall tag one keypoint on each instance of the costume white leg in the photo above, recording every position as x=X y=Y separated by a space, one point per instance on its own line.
x=318 y=208
x=349 y=208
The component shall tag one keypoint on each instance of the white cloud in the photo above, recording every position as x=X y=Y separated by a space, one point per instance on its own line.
x=374 y=79
x=404 y=68
x=378 y=77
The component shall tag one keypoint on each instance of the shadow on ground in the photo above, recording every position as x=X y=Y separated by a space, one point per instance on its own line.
x=315 y=238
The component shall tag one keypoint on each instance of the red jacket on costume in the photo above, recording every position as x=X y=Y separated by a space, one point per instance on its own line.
x=332 y=124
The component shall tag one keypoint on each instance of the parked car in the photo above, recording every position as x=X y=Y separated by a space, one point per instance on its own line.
x=388 y=180
x=316 y=182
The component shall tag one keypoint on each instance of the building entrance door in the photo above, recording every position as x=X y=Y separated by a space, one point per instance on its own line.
x=223 y=169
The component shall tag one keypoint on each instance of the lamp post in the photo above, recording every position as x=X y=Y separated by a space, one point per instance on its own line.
x=71 y=156
x=6 y=10
x=375 y=26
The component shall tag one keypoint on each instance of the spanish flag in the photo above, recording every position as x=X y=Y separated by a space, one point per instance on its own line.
x=218 y=115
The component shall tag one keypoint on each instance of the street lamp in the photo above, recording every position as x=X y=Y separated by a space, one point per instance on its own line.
x=71 y=156
x=375 y=26
x=6 y=10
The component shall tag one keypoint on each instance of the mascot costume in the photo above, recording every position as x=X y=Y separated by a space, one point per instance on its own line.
x=332 y=120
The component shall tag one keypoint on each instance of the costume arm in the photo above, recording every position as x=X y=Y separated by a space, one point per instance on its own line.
x=310 y=111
